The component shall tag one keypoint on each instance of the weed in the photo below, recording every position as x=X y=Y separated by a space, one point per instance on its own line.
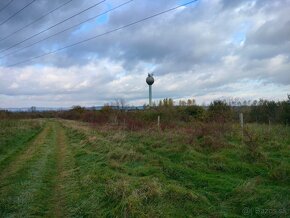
x=123 y=155
x=280 y=174
x=252 y=145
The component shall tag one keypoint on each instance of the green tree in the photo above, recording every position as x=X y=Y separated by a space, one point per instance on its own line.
x=219 y=111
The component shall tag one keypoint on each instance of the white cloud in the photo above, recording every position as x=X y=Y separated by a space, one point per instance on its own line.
x=207 y=51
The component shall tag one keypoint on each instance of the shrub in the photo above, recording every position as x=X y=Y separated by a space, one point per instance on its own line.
x=252 y=144
x=4 y=114
x=195 y=112
x=219 y=111
x=211 y=137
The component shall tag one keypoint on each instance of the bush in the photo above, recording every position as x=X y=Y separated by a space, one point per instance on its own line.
x=219 y=111
x=195 y=112
x=252 y=144
x=4 y=114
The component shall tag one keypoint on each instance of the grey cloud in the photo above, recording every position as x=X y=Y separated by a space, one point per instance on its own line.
x=230 y=4
x=199 y=45
x=273 y=32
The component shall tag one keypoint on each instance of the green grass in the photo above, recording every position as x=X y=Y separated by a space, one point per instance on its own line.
x=149 y=173
x=75 y=170
x=14 y=134
x=26 y=191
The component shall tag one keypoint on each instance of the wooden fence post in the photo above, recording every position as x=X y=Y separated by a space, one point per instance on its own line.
x=242 y=125
x=158 y=122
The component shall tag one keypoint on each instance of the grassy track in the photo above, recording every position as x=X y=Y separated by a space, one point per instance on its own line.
x=17 y=162
x=25 y=180
x=14 y=135
x=58 y=188
x=63 y=168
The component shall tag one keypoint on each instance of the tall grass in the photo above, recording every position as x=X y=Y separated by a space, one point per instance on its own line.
x=177 y=172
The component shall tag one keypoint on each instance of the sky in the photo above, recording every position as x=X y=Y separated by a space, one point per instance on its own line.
x=207 y=50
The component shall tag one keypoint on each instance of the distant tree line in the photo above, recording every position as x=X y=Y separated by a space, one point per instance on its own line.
x=264 y=111
x=260 y=111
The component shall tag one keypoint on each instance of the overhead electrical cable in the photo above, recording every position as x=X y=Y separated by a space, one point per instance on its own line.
x=57 y=33
x=42 y=31
x=17 y=12
x=36 y=20
x=5 y=6
x=105 y=33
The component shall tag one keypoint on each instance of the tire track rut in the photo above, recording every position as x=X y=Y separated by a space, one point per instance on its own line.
x=25 y=155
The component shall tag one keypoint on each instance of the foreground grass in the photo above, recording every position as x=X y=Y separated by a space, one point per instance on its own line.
x=70 y=169
x=14 y=134
x=151 y=173
x=27 y=181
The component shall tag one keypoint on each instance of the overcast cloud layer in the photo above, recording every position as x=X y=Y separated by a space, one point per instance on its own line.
x=206 y=50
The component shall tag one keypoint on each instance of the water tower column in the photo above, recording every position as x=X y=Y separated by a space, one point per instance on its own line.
x=150 y=95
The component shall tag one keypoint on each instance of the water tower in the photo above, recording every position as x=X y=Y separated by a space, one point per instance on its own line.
x=150 y=81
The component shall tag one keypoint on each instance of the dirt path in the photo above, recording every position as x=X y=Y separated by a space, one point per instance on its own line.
x=25 y=183
x=26 y=155
x=61 y=151
x=41 y=180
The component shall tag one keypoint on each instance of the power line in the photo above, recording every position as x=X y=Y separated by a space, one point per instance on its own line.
x=12 y=46
x=105 y=33
x=5 y=6
x=17 y=12
x=57 y=33
x=38 y=19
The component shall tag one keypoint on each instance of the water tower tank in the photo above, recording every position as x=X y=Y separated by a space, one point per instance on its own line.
x=150 y=79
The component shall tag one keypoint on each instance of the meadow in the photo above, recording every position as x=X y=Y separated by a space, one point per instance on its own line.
x=65 y=168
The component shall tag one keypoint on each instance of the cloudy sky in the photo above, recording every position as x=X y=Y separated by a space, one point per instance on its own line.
x=207 y=50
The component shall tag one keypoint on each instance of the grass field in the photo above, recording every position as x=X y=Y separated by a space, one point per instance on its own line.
x=60 y=168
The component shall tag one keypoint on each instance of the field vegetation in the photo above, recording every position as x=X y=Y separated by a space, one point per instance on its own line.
x=115 y=163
